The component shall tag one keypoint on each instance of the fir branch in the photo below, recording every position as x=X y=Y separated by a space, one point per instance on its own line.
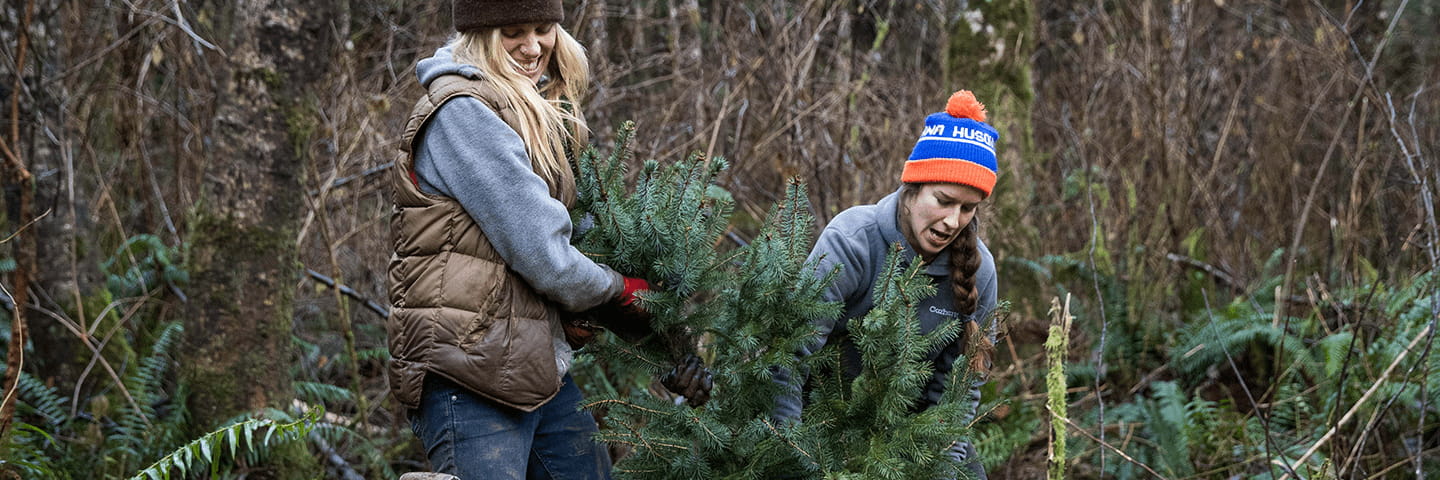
x=788 y=441
x=752 y=308
x=597 y=403
x=710 y=433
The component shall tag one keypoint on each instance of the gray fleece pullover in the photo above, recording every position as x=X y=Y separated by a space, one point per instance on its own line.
x=466 y=152
x=859 y=240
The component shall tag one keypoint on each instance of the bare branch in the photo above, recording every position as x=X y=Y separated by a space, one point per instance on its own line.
x=349 y=292
x=1112 y=448
x=1254 y=406
x=1358 y=403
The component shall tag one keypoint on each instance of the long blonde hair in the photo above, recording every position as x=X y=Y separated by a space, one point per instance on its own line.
x=551 y=122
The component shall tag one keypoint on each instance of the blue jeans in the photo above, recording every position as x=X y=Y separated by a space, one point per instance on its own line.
x=473 y=438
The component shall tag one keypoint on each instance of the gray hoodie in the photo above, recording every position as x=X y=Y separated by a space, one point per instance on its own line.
x=468 y=153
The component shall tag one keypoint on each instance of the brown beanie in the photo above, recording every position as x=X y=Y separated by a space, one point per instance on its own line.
x=473 y=14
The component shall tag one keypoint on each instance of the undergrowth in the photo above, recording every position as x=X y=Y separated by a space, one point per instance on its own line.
x=137 y=427
x=1237 y=392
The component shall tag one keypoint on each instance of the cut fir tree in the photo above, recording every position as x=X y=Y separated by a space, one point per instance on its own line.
x=747 y=310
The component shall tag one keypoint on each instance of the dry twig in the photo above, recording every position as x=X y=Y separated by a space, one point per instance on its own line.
x=1112 y=448
x=1358 y=403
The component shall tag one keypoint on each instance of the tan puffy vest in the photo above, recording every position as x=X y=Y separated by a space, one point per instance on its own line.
x=457 y=310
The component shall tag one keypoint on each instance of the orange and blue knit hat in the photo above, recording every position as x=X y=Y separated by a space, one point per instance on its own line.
x=957 y=146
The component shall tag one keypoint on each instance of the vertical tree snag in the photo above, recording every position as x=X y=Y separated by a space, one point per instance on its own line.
x=243 y=258
x=19 y=199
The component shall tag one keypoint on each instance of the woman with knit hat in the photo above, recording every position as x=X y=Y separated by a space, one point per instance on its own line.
x=483 y=267
x=950 y=172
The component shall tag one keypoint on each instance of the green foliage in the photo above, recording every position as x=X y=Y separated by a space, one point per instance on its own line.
x=746 y=305
x=998 y=441
x=1208 y=343
x=315 y=375
x=316 y=392
x=140 y=431
x=143 y=263
x=665 y=232
x=1172 y=429
x=868 y=426
x=250 y=437
x=1168 y=417
x=748 y=310
x=113 y=430
x=1304 y=372
x=27 y=446
x=139 y=423
x=39 y=399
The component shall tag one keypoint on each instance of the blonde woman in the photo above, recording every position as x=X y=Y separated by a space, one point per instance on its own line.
x=483 y=266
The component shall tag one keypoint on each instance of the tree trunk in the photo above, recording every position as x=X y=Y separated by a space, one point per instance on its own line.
x=19 y=194
x=46 y=148
x=243 y=256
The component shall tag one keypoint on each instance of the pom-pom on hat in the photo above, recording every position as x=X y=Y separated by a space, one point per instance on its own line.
x=475 y=14
x=957 y=146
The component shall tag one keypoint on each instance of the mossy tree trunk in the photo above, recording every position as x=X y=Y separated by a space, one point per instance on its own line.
x=988 y=50
x=56 y=189
x=18 y=193
x=271 y=56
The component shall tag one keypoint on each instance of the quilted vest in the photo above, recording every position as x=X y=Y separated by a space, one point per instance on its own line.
x=457 y=310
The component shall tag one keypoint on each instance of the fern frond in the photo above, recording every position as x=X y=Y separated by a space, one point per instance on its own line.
x=139 y=431
x=1167 y=418
x=28 y=448
x=1000 y=441
x=1335 y=349
x=208 y=450
x=40 y=399
x=316 y=392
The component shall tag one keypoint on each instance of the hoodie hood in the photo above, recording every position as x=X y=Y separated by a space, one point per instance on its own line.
x=443 y=63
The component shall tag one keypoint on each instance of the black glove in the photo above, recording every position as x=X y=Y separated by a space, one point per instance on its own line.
x=629 y=322
x=690 y=379
x=580 y=329
x=622 y=315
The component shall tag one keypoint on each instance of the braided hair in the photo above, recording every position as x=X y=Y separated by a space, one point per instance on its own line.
x=964 y=263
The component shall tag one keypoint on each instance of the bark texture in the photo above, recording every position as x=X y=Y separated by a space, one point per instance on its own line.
x=243 y=256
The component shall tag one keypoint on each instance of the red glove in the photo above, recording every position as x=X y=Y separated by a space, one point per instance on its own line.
x=632 y=286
